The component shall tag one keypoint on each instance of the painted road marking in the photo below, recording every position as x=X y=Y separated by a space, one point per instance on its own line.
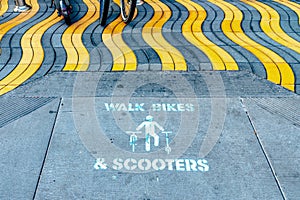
x=78 y=58
x=171 y=58
x=33 y=55
x=278 y=71
x=270 y=24
x=292 y=5
x=192 y=31
x=22 y=17
x=123 y=56
x=3 y=7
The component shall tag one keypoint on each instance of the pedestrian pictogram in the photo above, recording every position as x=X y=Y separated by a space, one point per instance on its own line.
x=150 y=126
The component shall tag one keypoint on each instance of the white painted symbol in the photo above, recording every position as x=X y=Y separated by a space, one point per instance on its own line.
x=150 y=125
x=168 y=148
x=100 y=164
x=133 y=138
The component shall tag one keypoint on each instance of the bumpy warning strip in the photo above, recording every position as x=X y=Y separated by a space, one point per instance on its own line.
x=171 y=58
x=270 y=24
x=33 y=54
x=3 y=7
x=278 y=71
x=123 y=56
x=292 y=5
x=191 y=30
x=22 y=17
x=77 y=55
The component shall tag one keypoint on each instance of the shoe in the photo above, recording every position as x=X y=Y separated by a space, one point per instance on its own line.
x=22 y=8
x=59 y=12
x=139 y=2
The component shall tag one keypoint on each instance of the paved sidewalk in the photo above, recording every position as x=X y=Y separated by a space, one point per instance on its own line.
x=228 y=141
x=163 y=117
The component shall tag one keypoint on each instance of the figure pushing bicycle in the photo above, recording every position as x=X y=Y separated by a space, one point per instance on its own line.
x=150 y=126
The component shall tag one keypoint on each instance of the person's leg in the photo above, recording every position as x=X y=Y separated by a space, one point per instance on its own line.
x=156 y=139
x=147 y=142
x=57 y=6
x=21 y=6
x=67 y=2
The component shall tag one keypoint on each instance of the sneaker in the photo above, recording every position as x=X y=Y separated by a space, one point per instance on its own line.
x=22 y=8
x=16 y=9
x=139 y=2
x=59 y=13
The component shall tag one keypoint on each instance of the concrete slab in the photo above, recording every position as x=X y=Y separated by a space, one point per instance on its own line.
x=235 y=168
x=235 y=84
x=277 y=124
x=24 y=143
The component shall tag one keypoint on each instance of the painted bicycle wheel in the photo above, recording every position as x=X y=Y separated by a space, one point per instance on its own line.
x=127 y=10
x=104 y=7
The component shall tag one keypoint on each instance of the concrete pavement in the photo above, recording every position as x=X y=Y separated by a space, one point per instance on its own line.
x=224 y=102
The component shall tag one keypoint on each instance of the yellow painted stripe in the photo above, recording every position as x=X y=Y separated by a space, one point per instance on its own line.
x=191 y=29
x=170 y=57
x=292 y=5
x=22 y=17
x=123 y=57
x=270 y=24
x=78 y=58
x=32 y=57
x=3 y=7
x=107 y=37
x=278 y=71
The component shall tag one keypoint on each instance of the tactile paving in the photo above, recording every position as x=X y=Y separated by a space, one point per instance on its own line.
x=16 y=107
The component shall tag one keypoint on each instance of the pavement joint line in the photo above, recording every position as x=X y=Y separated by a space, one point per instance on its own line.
x=47 y=150
x=263 y=149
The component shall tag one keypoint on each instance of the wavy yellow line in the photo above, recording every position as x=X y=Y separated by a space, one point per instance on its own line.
x=123 y=57
x=22 y=17
x=3 y=7
x=170 y=57
x=78 y=58
x=292 y=5
x=191 y=29
x=270 y=24
x=108 y=40
x=278 y=71
x=32 y=57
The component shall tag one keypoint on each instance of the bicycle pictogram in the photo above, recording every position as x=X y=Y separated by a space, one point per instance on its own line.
x=149 y=126
x=133 y=138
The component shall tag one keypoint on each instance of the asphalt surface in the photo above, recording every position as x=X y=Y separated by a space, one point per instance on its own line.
x=191 y=100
